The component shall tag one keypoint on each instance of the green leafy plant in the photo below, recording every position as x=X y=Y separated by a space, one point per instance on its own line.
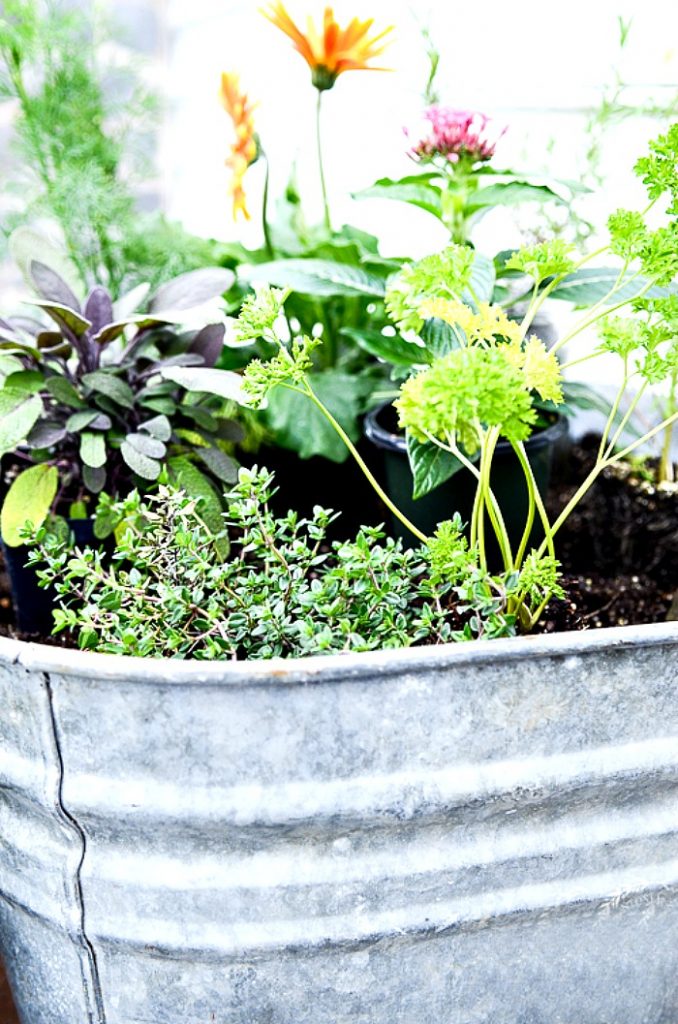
x=283 y=591
x=89 y=401
x=458 y=184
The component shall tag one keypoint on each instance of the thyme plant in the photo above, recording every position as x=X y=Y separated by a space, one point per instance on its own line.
x=283 y=590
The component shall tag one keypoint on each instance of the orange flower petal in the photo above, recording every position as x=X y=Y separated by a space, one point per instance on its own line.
x=334 y=50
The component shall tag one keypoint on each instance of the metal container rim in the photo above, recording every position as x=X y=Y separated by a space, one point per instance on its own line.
x=335 y=668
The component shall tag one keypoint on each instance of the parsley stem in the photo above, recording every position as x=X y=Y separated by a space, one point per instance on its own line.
x=365 y=468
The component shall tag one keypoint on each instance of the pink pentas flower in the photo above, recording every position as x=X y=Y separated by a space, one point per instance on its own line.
x=454 y=134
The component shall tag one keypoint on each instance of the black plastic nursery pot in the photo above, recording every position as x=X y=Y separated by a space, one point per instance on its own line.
x=33 y=604
x=457 y=493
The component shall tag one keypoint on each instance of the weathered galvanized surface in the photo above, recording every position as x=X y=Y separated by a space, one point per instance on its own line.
x=479 y=833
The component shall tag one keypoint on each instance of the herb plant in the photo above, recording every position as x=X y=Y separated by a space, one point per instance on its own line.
x=89 y=402
x=282 y=591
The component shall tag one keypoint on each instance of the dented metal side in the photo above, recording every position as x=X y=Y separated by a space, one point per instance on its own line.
x=476 y=833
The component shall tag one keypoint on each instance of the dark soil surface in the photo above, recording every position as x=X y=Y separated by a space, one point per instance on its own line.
x=619 y=548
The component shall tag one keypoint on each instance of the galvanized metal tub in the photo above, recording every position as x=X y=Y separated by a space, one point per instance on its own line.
x=477 y=833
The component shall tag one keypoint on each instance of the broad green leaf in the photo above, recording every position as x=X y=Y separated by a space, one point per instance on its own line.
x=64 y=392
x=17 y=423
x=111 y=386
x=589 y=285
x=223 y=383
x=92 y=449
x=510 y=194
x=415 y=189
x=145 y=467
x=191 y=289
x=29 y=382
x=483 y=276
x=163 y=405
x=297 y=424
x=78 y=510
x=28 y=500
x=315 y=277
x=10 y=399
x=203 y=417
x=392 y=348
x=430 y=465
x=438 y=337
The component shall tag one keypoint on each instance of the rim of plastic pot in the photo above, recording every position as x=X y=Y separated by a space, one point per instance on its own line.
x=395 y=442
x=323 y=669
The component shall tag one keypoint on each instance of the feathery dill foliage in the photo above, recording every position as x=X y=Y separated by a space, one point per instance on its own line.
x=76 y=129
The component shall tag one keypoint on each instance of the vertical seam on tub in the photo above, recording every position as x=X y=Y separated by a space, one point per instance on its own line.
x=90 y=968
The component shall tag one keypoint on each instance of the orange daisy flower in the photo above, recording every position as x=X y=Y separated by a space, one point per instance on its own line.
x=334 y=50
x=245 y=149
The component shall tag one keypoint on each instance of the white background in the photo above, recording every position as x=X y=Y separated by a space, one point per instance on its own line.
x=535 y=66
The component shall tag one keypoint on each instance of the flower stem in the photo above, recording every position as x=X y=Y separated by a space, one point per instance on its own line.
x=264 y=212
x=323 y=184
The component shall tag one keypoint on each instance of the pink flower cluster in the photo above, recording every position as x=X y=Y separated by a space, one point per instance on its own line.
x=454 y=134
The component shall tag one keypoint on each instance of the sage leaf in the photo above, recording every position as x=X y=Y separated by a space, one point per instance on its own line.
x=65 y=317
x=209 y=343
x=221 y=464
x=46 y=433
x=111 y=386
x=147 y=445
x=99 y=309
x=142 y=465
x=224 y=383
x=191 y=289
x=51 y=285
x=158 y=427
x=92 y=449
x=64 y=392
x=93 y=478
x=79 y=420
